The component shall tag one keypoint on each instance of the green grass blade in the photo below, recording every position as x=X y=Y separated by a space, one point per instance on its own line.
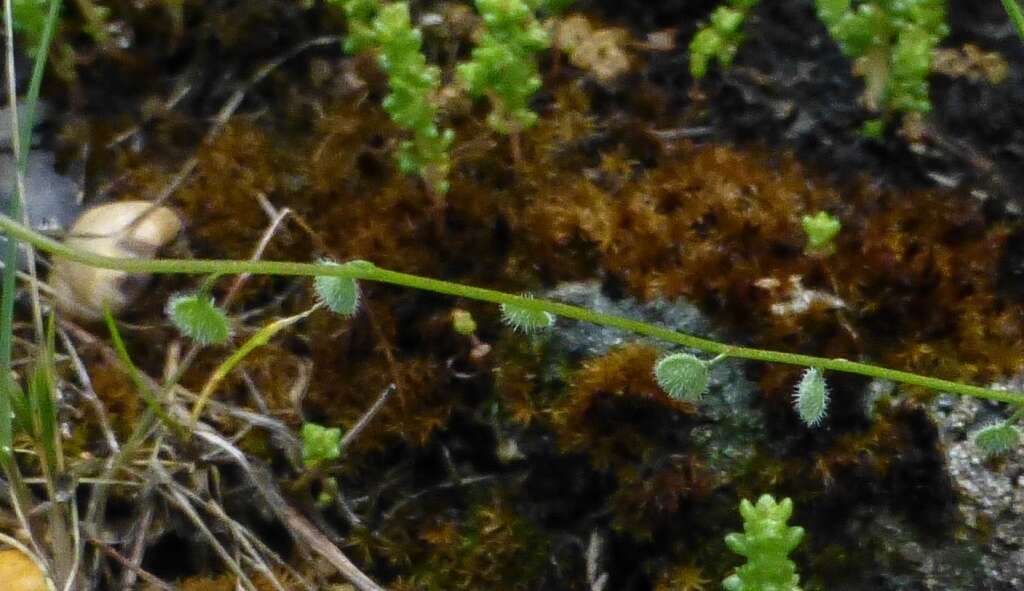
x=1016 y=16
x=140 y=384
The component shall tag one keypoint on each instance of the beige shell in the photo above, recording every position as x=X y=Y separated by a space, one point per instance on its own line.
x=19 y=573
x=114 y=230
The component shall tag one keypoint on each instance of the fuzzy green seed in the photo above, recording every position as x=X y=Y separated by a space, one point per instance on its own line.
x=997 y=438
x=340 y=294
x=682 y=376
x=811 y=397
x=198 y=317
x=526 y=320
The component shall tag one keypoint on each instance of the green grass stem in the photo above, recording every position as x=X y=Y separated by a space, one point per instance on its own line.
x=377 y=274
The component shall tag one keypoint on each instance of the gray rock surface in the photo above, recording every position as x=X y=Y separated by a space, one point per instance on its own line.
x=51 y=199
x=729 y=424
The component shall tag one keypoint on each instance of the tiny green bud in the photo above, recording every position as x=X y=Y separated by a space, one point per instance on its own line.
x=526 y=320
x=997 y=438
x=463 y=322
x=320 y=444
x=766 y=541
x=198 y=317
x=682 y=376
x=821 y=229
x=811 y=397
x=340 y=294
x=873 y=129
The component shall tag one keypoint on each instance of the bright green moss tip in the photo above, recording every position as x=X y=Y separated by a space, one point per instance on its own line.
x=821 y=230
x=503 y=66
x=891 y=42
x=320 y=444
x=359 y=15
x=766 y=542
x=720 y=39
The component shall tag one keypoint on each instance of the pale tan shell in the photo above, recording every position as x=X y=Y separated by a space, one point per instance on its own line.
x=115 y=230
x=19 y=573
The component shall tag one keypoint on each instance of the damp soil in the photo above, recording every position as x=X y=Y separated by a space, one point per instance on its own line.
x=498 y=463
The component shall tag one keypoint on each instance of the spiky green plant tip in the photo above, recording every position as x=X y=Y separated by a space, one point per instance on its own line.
x=503 y=66
x=821 y=230
x=198 y=317
x=719 y=40
x=766 y=542
x=340 y=294
x=526 y=320
x=320 y=444
x=811 y=397
x=891 y=44
x=412 y=102
x=463 y=322
x=359 y=16
x=682 y=376
x=997 y=438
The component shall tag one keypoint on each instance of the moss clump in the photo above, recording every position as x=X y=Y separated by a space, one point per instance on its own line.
x=494 y=548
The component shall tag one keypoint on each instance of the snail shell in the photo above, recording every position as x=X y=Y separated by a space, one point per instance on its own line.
x=19 y=573
x=128 y=229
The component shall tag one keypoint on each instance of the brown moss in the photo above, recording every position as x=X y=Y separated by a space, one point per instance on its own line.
x=611 y=404
x=119 y=396
x=494 y=548
x=687 y=577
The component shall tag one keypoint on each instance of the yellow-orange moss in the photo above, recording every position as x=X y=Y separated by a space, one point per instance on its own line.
x=608 y=402
x=494 y=548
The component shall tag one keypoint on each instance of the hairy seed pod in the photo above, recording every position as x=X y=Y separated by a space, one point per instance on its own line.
x=997 y=438
x=682 y=376
x=811 y=397
x=124 y=229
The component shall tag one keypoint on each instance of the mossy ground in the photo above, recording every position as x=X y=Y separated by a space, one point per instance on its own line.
x=599 y=192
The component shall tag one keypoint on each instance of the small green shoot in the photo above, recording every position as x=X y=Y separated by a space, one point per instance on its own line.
x=766 y=542
x=720 y=39
x=359 y=16
x=463 y=322
x=412 y=103
x=320 y=444
x=503 y=66
x=891 y=43
x=821 y=230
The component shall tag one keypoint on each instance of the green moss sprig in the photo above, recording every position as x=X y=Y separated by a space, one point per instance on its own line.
x=891 y=43
x=414 y=85
x=720 y=38
x=766 y=542
x=320 y=444
x=412 y=103
x=503 y=66
x=359 y=18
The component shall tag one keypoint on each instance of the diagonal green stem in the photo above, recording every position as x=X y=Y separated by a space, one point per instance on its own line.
x=370 y=272
x=1016 y=15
